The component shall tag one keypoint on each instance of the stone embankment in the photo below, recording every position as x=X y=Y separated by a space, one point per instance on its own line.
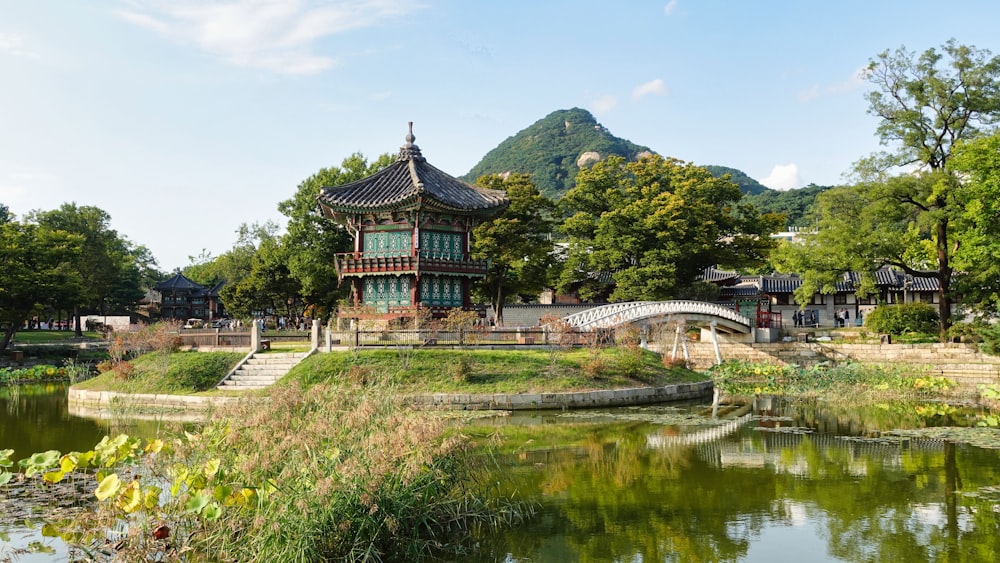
x=963 y=363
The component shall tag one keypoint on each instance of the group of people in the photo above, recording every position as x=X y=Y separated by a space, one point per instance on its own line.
x=842 y=318
x=805 y=318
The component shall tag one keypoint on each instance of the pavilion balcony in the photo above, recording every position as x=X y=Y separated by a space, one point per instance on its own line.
x=359 y=264
x=383 y=312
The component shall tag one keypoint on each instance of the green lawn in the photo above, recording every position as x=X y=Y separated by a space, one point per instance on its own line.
x=52 y=336
x=491 y=371
x=413 y=371
x=177 y=373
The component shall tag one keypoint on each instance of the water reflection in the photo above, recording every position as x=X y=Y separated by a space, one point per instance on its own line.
x=634 y=491
x=35 y=418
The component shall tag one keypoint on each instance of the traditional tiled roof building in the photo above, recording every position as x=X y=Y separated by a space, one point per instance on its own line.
x=776 y=292
x=411 y=225
x=181 y=298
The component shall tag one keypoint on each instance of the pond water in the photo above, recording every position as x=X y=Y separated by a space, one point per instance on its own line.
x=35 y=418
x=779 y=482
x=771 y=482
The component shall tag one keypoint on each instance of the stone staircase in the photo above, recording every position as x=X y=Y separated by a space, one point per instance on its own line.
x=260 y=370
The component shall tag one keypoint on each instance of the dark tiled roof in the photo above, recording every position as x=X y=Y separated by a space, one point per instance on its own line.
x=779 y=284
x=713 y=275
x=888 y=276
x=923 y=284
x=178 y=283
x=408 y=183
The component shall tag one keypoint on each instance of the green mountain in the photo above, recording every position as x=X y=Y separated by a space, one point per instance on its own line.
x=747 y=184
x=795 y=204
x=552 y=150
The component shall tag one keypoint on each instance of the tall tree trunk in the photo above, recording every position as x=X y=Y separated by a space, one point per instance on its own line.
x=76 y=321
x=944 y=280
x=8 y=335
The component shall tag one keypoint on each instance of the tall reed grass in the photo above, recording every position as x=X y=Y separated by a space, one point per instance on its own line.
x=329 y=473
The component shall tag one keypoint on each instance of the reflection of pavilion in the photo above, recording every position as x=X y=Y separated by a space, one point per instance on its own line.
x=771 y=449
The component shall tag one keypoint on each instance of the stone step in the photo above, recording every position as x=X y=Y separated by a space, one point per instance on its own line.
x=262 y=370
x=244 y=380
x=257 y=370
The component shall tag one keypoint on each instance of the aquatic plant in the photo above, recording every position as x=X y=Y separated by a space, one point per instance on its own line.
x=328 y=473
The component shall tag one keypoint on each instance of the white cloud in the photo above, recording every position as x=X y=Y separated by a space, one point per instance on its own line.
x=652 y=87
x=670 y=7
x=855 y=81
x=783 y=177
x=275 y=35
x=603 y=104
x=13 y=44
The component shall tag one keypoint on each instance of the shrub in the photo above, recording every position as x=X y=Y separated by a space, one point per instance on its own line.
x=901 y=319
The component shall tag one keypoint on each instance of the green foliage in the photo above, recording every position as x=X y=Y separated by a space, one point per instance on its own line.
x=33 y=374
x=36 y=271
x=517 y=243
x=643 y=230
x=795 y=205
x=741 y=378
x=548 y=151
x=747 y=185
x=311 y=240
x=328 y=474
x=176 y=373
x=495 y=371
x=978 y=257
x=112 y=271
x=903 y=318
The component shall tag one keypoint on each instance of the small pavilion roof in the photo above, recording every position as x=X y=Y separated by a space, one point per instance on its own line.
x=178 y=283
x=410 y=183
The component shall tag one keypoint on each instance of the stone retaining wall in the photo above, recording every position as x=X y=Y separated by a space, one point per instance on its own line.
x=961 y=362
x=108 y=399
x=567 y=400
x=85 y=399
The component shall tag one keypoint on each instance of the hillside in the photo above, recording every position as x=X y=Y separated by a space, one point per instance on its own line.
x=795 y=204
x=552 y=150
x=747 y=184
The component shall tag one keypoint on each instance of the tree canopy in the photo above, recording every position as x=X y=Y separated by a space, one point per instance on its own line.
x=926 y=105
x=517 y=243
x=111 y=269
x=311 y=240
x=646 y=230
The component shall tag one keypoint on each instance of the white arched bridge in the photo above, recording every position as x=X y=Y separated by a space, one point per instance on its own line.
x=649 y=312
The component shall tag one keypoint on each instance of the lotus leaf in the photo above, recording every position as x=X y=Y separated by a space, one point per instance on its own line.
x=109 y=487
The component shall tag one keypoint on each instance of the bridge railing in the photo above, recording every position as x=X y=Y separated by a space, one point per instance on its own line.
x=623 y=313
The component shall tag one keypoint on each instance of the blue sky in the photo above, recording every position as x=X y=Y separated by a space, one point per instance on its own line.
x=183 y=119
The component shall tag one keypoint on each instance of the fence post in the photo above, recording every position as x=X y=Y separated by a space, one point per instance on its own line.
x=314 y=337
x=357 y=338
x=461 y=337
x=254 y=336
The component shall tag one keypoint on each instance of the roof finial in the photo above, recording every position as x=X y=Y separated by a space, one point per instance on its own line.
x=409 y=136
x=409 y=151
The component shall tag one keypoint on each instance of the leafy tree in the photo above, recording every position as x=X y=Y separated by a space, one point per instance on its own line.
x=796 y=205
x=647 y=229
x=517 y=243
x=255 y=278
x=110 y=268
x=925 y=105
x=39 y=269
x=312 y=240
x=204 y=269
x=978 y=256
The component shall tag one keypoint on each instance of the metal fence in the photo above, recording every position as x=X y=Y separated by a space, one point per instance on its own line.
x=471 y=337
